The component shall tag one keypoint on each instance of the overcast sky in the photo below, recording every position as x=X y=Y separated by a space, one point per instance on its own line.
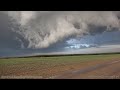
x=38 y=32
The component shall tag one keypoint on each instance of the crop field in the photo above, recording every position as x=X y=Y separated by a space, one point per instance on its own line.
x=66 y=67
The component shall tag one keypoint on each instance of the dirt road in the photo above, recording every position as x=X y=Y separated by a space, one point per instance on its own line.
x=107 y=70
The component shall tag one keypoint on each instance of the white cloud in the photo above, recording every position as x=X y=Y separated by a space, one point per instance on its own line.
x=43 y=29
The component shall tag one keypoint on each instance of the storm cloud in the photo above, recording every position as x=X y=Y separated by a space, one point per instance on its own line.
x=50 y=30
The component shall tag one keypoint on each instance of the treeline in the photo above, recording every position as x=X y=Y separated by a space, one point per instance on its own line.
x=72 y=55
x=59 y=55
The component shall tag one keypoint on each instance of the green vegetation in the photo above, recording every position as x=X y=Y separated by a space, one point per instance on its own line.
x=16 y=66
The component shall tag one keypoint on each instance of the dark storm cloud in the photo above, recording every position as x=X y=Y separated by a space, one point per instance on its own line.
x=8 y=37
x=42 y=29
x=45 y=31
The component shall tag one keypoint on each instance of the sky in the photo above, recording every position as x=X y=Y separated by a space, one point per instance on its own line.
x=58 y=32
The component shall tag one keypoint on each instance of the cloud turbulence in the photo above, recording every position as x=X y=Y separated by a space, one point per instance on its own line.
x=46 y=30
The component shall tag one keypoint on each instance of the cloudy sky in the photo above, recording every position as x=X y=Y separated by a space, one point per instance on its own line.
x=52 y=32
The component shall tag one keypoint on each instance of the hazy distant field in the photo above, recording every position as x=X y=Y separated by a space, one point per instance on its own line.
x=48 y=67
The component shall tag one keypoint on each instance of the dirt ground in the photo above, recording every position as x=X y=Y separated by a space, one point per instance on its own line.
x=90 y=69
x=99 y=70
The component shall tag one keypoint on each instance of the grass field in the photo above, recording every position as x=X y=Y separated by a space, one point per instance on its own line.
x=47 y=67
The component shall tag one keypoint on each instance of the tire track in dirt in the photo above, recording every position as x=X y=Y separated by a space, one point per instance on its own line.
x=71 y=74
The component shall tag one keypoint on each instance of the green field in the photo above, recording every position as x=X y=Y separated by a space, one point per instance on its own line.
x=46 y=66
